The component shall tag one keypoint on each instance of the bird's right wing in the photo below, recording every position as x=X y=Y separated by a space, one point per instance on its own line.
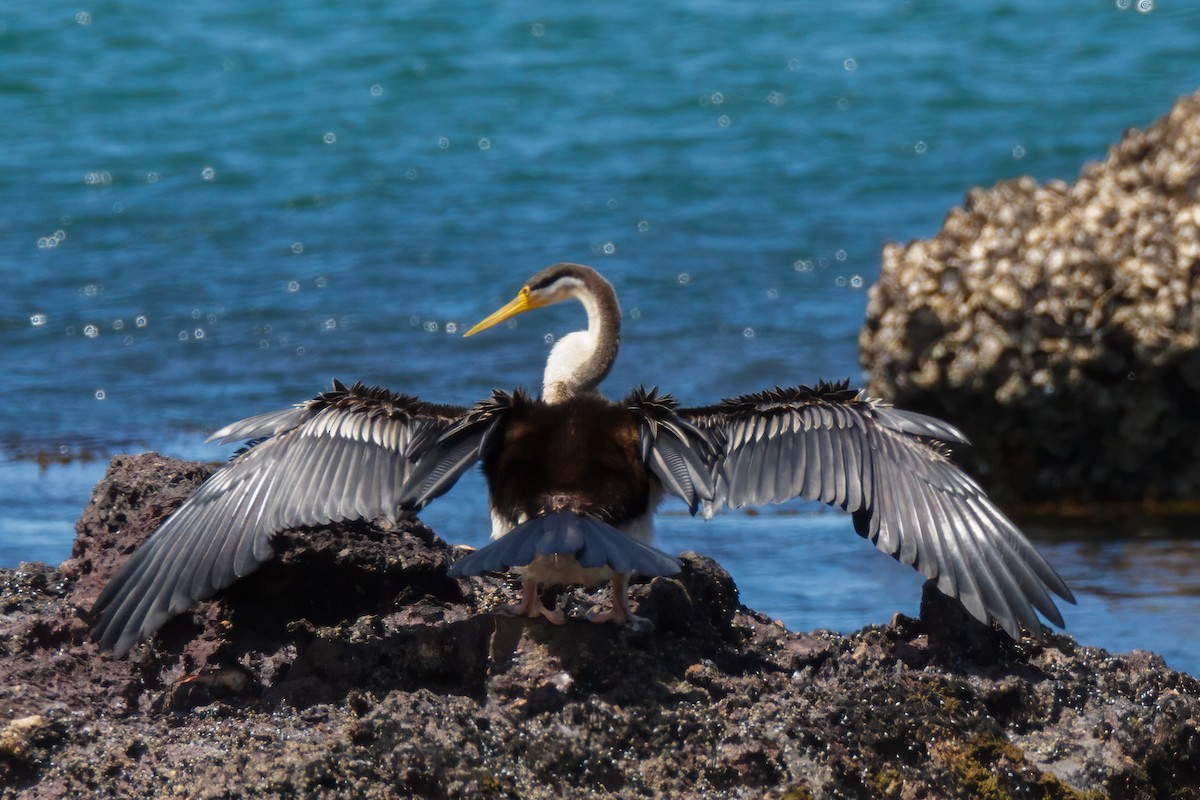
x=345 y=454
x=887 y=468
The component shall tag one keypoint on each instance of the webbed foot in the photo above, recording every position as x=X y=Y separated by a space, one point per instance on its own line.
x=531 y=606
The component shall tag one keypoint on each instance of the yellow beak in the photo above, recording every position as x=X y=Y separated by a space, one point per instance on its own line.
x=525 y=301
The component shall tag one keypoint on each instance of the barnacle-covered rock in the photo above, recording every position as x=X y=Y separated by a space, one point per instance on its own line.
x=1057 y=325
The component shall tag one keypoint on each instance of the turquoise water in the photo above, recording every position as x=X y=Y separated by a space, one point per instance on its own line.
x=209 y=211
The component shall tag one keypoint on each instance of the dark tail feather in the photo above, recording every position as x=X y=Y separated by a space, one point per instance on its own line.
x=593 y=544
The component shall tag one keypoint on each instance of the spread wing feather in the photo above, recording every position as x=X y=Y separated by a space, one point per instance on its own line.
x=343 y=455
x=439 y=466
x=675 y=451
x=885 y=466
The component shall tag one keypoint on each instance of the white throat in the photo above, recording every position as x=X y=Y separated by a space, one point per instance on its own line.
x=565 y=372
x=576 y=364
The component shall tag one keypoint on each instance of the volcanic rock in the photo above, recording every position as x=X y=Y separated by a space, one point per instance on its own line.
x=350 y=666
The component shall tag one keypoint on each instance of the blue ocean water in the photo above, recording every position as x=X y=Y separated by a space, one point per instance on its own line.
x=211 y=209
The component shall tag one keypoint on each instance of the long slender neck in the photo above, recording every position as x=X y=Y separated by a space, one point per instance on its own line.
x=580 y=360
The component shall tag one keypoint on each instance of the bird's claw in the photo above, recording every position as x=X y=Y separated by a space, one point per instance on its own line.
x=623 y=617
x=531 y=606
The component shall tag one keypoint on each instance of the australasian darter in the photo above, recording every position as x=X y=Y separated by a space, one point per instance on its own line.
x=574 y=480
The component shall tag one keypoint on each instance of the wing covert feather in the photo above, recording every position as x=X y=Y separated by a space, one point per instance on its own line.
x=439 y=466
x=676 y=452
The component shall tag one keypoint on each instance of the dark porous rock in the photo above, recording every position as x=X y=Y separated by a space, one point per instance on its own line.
x=1056 y=325
x=350 y=666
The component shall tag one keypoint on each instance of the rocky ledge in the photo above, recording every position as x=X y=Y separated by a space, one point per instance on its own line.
x=351 y=666
x=1056 y=324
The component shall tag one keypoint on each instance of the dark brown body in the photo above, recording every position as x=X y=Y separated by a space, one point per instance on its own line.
x=581 y=455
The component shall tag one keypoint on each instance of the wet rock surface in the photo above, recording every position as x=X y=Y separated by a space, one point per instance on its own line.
x=351 y=667
x=1056 y=325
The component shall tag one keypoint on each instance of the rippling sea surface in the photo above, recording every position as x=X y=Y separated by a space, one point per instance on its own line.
x=211 y=209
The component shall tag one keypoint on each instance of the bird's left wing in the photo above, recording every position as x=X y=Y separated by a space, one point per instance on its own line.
x=440 y=464
x=345 y=454
x=887 y=468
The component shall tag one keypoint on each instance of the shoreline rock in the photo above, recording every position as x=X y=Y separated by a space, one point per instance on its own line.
x=350 y=666
x=1055 y=324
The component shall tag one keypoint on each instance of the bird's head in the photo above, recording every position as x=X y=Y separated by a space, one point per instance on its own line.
x=551 y=285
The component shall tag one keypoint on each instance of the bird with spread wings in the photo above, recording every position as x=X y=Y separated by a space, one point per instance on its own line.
x=574 y=480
